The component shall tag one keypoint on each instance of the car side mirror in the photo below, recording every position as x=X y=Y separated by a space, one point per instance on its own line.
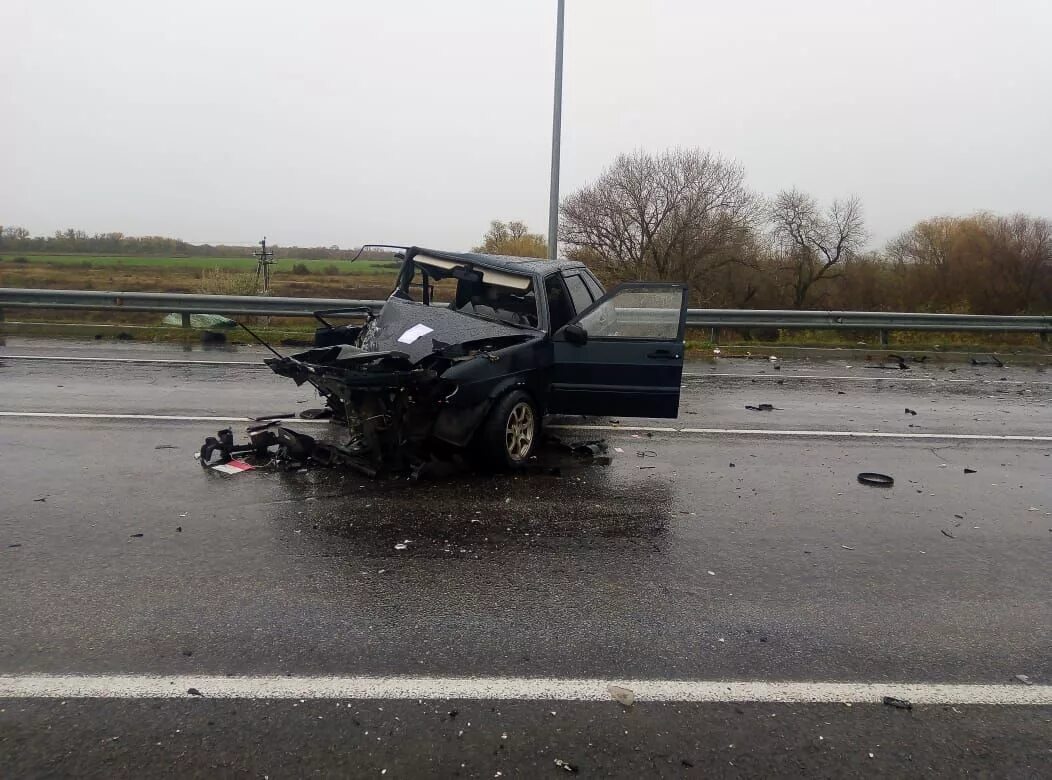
x=575 y=334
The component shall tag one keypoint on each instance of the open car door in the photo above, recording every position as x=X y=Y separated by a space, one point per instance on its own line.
x=623 y=355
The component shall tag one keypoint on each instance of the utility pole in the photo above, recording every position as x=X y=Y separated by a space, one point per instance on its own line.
x=557 y=122
x=265 y=261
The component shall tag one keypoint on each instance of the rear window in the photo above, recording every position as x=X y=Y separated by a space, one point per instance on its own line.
x=579 y=294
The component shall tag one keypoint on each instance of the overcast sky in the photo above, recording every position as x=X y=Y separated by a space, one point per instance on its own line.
x=418 y=121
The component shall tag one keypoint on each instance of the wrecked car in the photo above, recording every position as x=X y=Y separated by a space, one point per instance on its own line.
x=514 y=340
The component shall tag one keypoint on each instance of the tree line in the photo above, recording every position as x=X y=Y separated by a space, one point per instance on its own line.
x=18 y=239
x=688 y=215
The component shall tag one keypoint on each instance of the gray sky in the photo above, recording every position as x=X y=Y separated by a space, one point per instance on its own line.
x=418 y=121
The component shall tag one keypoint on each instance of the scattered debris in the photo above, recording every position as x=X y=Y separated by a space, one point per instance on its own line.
x=135 y=536
x=166 y=447
x=899 y=363
x=194 y=692
x=874 y=479
x=41 y=500
x=566 y=765
x=899 y=704
x=947 y=534
x=969 y=471
x=625 y=696
x=760 y=408
x=401 y=546
x=1025 y=679
x=178 y=529
x=845 y=547
x=911 y=411
x=233 y=467
x=994 y=360
x=16 y=544
x=316 y=414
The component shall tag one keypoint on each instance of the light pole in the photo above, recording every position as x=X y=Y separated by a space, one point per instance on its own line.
x=557 y=122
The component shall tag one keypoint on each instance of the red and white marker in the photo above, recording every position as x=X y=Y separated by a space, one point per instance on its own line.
x=234 y=467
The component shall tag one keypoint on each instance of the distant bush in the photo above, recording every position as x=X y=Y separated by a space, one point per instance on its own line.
x=301 y=269
x=331 y=269
x=217 y=281
x=20 y=260
x=87 y=264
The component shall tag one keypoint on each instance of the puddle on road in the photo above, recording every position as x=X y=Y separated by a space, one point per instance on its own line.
x=468 y=512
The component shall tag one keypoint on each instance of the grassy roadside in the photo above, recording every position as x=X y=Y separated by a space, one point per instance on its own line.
x=283 y=265
x=364 y=280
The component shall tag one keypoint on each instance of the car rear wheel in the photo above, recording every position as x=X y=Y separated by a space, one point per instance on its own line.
x=509 y=435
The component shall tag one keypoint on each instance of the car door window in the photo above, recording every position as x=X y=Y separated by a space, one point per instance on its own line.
x=579 y=294
x=650 y=313
x=559 y=310
x=594 y=287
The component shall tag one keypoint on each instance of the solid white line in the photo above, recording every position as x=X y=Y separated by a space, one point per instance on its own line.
x=148 y=417
x=517 y=688
x=778 y=432
x=563 y=427
x=895 y=378
x=160 y=361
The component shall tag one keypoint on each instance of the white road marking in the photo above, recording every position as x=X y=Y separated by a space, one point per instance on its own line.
x=886 y=378
x=621 y=428
x=147 y=417
x=160 y=361
x=516 y=688
x=817 y=434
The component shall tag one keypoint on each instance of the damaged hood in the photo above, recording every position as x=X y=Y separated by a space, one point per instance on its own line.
x=428 y=328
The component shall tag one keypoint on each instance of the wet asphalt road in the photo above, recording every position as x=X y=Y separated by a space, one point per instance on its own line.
x=670 y=565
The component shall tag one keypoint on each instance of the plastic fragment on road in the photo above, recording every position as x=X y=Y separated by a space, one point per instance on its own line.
x=233 y=467
x=874 y=479
x=624 y=696
x=1025 y=679
x=760 y=408
x=566 y=766
x=899 y=704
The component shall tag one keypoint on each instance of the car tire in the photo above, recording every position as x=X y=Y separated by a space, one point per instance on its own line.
x=510 y=433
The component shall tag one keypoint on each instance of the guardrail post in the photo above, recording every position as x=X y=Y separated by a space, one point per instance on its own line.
x=1043 y=334
x=883 y=337
x=714 y=335
x=186 y=319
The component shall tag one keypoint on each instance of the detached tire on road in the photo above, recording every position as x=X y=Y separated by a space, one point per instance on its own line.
x=510 y=432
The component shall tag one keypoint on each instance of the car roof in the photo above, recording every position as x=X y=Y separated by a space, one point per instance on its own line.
x=528 y=265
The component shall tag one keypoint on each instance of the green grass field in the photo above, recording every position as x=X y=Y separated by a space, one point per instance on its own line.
x=285 y=264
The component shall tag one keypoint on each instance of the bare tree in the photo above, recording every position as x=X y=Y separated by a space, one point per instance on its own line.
x=677 y=215
x=813 y=242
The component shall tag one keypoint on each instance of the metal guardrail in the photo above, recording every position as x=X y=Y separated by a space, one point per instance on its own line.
x=737 y=319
